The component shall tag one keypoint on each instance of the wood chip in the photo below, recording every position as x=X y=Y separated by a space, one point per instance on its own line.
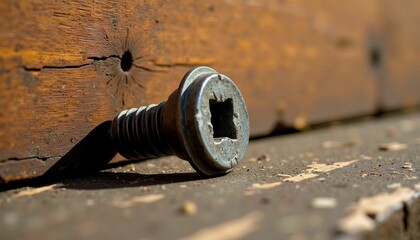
x=339 y=144
x=254 y=189
x=364 y=157
x=188 y=208
x=283 y=175
x=322 y=168
x=314 y=168
x=136 y=200
x=35 y=191
x=324 y=202
x=408 y=165
x=368 y=209
x=301 y=177
x=408 y=177
x=264 y=186
x=394 y=185
x=417 y=186
x=392 y=146
x=233 y=229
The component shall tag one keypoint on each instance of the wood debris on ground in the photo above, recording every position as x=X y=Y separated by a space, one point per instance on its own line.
x=34 y=191
x=283 y=175
x=324 y=203
x=314 y=168
x=367 y=211
x=364 y=157
x=265 y=185
x=339 y=144
x=136 y=200
x=260 y=186
x=392 y=146
x=188 y=208
x=394 y=185
x=262 y=158
x=232 y=229
x=301 y=177
x=323 y=168
x=408 y=165
x=408 y=177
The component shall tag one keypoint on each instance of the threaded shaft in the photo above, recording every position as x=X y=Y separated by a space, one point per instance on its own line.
x=137 y=132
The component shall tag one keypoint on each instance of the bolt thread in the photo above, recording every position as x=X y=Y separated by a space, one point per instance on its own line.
x=137 y=132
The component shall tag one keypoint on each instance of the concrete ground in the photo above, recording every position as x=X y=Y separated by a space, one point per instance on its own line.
x=353 y=181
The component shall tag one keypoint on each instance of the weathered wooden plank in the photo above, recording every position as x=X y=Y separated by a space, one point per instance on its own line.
x=63 y=69
x=400 y=52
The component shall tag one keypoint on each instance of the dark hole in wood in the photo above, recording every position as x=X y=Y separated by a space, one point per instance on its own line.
x=222 y=119
x=126 y=61
x=375 y=57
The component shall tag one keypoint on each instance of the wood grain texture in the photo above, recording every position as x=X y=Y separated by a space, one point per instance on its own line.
x=295 y=62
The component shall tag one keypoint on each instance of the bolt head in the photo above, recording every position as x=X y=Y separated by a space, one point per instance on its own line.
x=213 y=121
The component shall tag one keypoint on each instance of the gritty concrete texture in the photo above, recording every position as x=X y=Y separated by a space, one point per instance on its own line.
x=310 y=185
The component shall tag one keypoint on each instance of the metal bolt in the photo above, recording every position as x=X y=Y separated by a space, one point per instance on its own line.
x=204 y=121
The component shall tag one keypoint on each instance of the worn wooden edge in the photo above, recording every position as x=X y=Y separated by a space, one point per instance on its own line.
x=402 y=223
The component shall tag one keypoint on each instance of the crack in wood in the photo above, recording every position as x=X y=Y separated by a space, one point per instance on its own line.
x=94 y=59
x=29 y=158
x=54 y=67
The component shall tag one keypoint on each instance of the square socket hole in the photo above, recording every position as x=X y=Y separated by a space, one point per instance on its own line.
x=222 y=119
